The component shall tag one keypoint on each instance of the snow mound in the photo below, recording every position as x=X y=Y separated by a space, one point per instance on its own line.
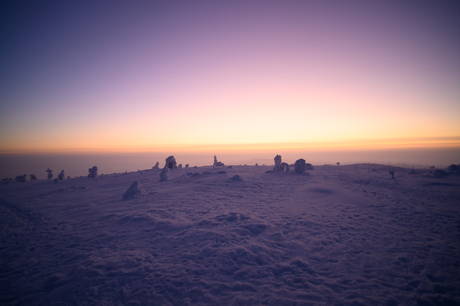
x=134 y=190
x=236 y=178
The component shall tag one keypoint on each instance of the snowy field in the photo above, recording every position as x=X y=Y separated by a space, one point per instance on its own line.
x=332 y=236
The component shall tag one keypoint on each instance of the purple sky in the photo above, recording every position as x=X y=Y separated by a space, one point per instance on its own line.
x=113 y=75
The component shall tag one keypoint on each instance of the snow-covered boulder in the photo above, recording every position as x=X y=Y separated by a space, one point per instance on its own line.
x=164 y=174
x=284 y=167
x=157 y=166
x=217 y=163
x=187 y=165
x=21 y=178
x=33 y=177
x=277 y=163
x=171 y=162
x=134 y=190
x=236 y=178
x=50 y=173
x=300 y=166
x=92 y=172
x=61 y=175
x=309 y=166
x=453 y=168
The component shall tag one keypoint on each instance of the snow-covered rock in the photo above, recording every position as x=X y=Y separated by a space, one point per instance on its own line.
x=21 y=178
x=157 y=166
x=61 y=175
x=164 y=174
x=134 y=190
x=309 y=166
x=284 y=167
x=171 y=162
x=300 y=166
x=50 y=173
x=217 y=163
x=277 y=163
x=33 y=177
x=92 y=172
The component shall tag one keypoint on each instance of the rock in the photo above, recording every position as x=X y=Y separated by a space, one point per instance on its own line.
x=92 y=172
x=309 y=167
x=33 y=177
x=186 y=165
x=157 y=166
x=171 y=162
x=134 y=190
x=61 y=175
x=56 y=180
x=453 y=168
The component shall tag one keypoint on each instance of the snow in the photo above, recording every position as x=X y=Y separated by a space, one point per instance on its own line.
x=333 y=236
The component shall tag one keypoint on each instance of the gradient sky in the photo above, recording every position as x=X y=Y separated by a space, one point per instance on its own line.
x=154 y=75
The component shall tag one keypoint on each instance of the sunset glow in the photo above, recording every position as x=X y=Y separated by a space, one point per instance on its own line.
x=193 y=76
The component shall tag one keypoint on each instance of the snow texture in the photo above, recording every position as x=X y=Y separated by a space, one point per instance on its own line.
x=339 y=236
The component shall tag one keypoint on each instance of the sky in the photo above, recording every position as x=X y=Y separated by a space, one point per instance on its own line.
x=126 y=76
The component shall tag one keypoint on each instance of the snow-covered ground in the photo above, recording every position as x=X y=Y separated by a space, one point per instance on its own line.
x=334 y=236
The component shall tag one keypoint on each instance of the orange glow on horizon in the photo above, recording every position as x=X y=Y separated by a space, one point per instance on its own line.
x=351 y=145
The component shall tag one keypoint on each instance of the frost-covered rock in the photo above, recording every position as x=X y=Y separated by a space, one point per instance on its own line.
x=21 y=178
x=186 y=165
x=277 y=163
x=164 y=174
x=453 y=168
x=300 y=166
x=284 y=167
x=180 y=166
x=56 y=180
x=50 y=173
x=134 y=190
x=217 y=163
x=309 y=166
x=61 y=175
x=157 y=166
x=33 y=177
x=171 y=162
x=92 y=172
